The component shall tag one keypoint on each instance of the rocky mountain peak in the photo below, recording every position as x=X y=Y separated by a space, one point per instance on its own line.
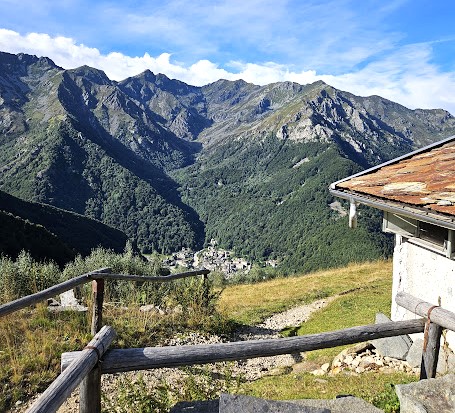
x=239 y=151
x=91 y=74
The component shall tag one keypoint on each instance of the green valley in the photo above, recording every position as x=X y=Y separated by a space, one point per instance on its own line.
x=173 y=166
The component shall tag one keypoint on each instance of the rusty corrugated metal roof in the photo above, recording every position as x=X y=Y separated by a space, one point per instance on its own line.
x=426 y=180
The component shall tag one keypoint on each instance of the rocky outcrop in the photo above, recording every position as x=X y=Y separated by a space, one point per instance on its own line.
x=362 y=358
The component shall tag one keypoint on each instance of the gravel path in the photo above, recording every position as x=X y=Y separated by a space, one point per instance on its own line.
x=253 y=369
x=248 y=369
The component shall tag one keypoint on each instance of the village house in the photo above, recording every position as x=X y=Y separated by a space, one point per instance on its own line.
x=416 y=192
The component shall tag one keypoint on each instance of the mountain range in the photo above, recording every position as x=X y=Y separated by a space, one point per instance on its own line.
x=173 y=165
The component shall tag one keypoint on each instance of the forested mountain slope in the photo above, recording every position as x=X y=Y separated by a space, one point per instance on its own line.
x=174 y=165
x=49 y=232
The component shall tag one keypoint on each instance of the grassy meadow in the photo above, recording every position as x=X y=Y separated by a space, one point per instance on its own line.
x=33 y=339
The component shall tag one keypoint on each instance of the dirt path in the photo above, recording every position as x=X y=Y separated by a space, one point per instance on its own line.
x=249 y=369
x=255 y=368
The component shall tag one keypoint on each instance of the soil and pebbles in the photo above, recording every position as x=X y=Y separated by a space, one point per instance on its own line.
x=355 y=360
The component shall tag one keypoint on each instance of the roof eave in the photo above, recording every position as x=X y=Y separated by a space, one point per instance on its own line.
x=407 y=210
x=393 y=161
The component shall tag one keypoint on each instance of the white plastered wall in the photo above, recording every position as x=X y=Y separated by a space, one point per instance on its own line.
x=424 y=274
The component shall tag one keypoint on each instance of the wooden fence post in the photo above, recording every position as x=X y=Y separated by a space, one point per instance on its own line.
x=56 y=394
x=90 y=392
x=205 y=287
x=430 y=352
x=98 y=298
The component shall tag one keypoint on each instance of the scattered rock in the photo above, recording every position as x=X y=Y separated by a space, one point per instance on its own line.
x=325 y=367
x=362 y=358
x=151 y=308
x=428 y=396
x=318 y=372
x=52 y=302
x=68 y=302
x=396 y=347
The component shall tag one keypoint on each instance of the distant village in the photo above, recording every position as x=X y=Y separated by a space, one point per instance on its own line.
x=213 y=259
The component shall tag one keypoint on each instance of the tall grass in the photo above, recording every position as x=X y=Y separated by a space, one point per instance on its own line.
x=25 y=276
x=32 y=340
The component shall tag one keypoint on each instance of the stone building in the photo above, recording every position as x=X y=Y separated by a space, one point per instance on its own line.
x=416 y=192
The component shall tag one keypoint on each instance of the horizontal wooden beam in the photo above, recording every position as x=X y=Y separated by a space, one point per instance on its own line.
x=143 y=278
x=60 y=389
x=173 y=356
x=104 y=273
x=444 y=318
x=42 y=295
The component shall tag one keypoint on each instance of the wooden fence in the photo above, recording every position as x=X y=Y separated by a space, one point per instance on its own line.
x=84 y=368
x=97 y=278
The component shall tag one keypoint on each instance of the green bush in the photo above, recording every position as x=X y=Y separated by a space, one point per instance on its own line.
x=25 y=276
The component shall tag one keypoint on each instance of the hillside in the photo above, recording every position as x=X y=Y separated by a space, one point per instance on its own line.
x=52 y=233
x=326 y=297
x=173 y=165
x=20 y=235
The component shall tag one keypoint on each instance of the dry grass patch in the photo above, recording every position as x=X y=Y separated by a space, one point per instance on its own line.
x=250 y=304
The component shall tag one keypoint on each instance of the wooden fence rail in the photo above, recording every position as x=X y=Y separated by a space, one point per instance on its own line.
x=157 y=357
x=437 y=319
x=444 y=318
x=103 y=273
x=42 y=295
x=60 y=389
x=83 y=367
x=143 y=278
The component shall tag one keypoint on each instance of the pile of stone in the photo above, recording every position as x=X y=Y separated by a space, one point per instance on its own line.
x=385 y=355
x=68 y=302
x=362 y=358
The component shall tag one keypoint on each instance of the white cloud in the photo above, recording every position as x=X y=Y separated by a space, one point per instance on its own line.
x=406 y=76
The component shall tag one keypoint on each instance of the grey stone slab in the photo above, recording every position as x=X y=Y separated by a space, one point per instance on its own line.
x=348 y=404
x=207 y=406
x=446 y=359
x=247 y=404
x=414 y=356
x=394 y=347
x=428 y=396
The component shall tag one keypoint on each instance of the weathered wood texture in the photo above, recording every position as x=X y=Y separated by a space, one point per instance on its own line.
x=42 y=295
x=90 y=392
x=143 y=278
x=157 y=357
x=97 y=311
x=430 y=352
x=48 y=293
x=444 y=318
x=66 y=382
x=102 y=273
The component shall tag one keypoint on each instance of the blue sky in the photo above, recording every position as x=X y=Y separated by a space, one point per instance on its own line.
x=403 y=50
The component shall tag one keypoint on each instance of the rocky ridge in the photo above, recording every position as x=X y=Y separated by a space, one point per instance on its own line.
x=169 y=163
